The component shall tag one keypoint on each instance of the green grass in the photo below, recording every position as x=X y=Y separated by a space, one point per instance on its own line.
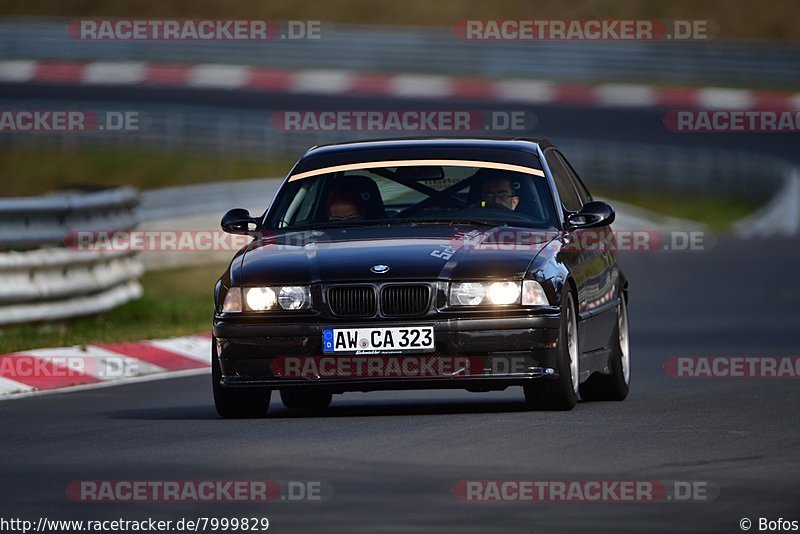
x=175 y=303
x=38 y=170
x=716 y=212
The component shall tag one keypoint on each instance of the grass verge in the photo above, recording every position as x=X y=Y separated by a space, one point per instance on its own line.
x=39 y=170
x=718 y=213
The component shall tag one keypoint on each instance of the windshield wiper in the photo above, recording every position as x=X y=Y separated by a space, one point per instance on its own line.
x=453 y=222
x=337 y=224
x=395 y=222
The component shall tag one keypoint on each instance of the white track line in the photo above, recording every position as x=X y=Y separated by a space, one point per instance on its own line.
x=114 y=73
x=617 y=94
x=420 y=85
x=717 y=98
x=108 y=384
x=11 y=387
x=530 y=91
x=219 y=76
x=17 y=70
x=322 y=81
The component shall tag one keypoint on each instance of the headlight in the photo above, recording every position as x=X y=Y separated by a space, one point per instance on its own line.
x=294 y=297
x=267 y=299
x=260 y=298
x=477 y=293
x=504 y=293
x=467 y=294
x=501 y=293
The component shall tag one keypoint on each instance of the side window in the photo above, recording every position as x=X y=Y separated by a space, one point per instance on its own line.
x=569 y=197
x=299 y=206
x=305 y=211
x=583 y=193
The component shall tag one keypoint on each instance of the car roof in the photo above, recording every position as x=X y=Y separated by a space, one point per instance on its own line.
x=520 y=144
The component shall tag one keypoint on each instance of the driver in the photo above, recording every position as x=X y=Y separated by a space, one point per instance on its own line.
x=498 y=190
x=345 y=204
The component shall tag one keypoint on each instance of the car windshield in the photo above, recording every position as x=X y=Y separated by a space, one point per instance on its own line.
x=479 y=193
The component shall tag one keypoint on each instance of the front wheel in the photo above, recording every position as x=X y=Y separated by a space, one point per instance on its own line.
x=562 y=393
x=613 y=386
x=237 y=403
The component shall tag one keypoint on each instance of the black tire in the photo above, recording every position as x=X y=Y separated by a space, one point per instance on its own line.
x=237 y=403
x=560 y=394
x=306 y=399
x=614 y=386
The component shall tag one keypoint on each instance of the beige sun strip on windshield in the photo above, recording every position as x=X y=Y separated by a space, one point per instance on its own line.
x=418 y=162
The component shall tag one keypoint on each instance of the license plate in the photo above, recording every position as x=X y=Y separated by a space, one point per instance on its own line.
x=395 y=340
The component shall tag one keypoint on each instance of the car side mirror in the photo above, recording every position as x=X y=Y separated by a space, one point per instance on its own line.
x=592 y=215
x=239 y=221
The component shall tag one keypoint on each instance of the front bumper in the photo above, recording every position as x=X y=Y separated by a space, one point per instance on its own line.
x=502 y=351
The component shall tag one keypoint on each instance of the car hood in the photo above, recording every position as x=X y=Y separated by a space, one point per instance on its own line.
x=408 y=253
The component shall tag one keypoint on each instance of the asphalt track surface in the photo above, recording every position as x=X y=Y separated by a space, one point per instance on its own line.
x=393 y=458
x=554 y=122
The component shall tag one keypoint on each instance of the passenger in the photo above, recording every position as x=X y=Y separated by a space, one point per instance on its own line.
x=345 y=204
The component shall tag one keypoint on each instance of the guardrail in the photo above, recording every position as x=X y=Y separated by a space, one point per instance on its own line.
x=43 y=280
x=439 y=51
x=27 y=223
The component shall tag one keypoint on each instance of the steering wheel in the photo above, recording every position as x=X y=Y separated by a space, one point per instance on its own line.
x=486 y=205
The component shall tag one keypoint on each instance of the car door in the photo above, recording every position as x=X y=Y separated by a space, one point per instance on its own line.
x=602 y=308
x=585 y=260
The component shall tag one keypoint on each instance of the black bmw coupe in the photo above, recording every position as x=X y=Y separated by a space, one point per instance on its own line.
x=423 y=263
